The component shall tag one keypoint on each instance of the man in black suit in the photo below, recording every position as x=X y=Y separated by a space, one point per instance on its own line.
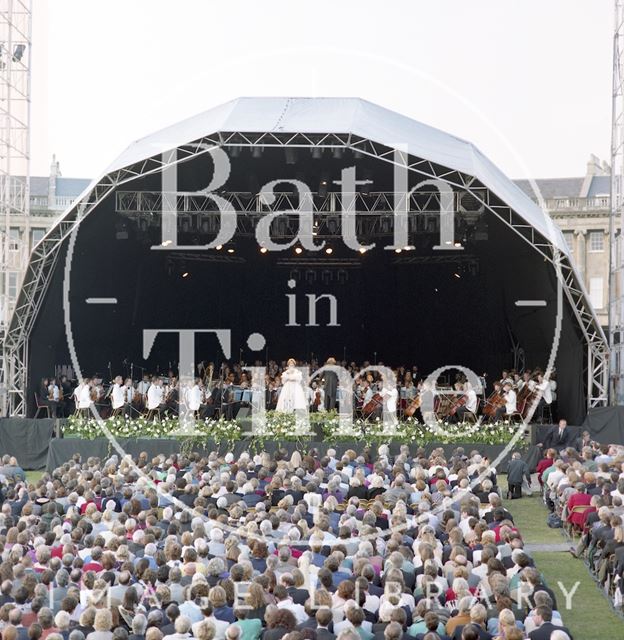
x=331 y=386
x=558 y=437
x=584 y=440
x=324 y=619
x=543 y=617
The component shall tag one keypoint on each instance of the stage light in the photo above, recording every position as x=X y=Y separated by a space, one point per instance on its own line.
x=291 y=155
x=322 y=190
x=317 y=153
x=263 y=249
x=408 y=247
x=447 y=242
x=219 y=247
x=185 y=274
x=337 y=152
x=457 y=275
x=397 y=250
x=166 y=243
x=230 y=250
x=298 y=250
x=362 y=250
x=329 y=251
x=257 y=152
x=458 y=244
x=235 y=151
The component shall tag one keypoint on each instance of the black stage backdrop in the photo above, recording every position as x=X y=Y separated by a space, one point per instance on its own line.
x=412 y=309
x=27 y=440
x=606 y=424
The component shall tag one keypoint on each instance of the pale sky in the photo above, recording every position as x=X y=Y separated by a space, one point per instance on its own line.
x=527 y=81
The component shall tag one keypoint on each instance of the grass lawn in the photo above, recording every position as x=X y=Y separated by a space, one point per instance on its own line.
x=591 y=616
x=34 y=476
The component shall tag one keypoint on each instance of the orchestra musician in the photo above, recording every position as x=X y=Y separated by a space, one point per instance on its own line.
x=470 y=402
x=49 y=395
x=544 y=387
x=83 y=396
x=193 y=397
x=118 y=396
x=510 y=402
x=129 y=396
x=142 y=389
x=155 y=396
x=66 y=396
x=316 y=397
x=390 y=395
x=172 y=396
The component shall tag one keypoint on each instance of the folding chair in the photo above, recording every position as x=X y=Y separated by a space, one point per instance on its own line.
x=41 y=407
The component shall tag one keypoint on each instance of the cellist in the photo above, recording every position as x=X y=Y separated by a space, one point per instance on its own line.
x=470 y=402
x=510 y=402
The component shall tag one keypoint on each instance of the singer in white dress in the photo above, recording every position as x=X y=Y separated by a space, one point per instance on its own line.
x=292 y=396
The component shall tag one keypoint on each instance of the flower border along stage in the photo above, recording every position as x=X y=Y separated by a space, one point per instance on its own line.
x=284 y=427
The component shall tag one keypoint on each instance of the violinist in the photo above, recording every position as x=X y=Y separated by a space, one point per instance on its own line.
x=510 y=402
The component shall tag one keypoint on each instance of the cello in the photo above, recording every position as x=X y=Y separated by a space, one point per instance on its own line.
x=495 y=400
x=369 y=408
x=413 y=406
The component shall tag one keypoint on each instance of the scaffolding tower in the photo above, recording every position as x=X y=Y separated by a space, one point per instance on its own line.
x=15 y=58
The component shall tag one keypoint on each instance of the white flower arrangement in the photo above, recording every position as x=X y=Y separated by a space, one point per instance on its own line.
x=286 y=427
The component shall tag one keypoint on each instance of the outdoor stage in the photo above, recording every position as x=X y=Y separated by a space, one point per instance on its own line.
x=36 y=446
x=382 y=258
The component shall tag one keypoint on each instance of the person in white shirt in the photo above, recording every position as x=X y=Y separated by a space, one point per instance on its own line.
x=543 y=387
x=193 y=396
x=470 y=402
x=84 y=395
x=117 y=395
x=155 y=396
x=510 y=402
x=390 y=394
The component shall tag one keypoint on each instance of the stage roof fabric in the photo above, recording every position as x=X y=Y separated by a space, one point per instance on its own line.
x=343 y=116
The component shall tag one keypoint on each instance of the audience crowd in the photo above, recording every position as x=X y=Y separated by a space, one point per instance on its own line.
x=583 y=488
x=361 y=546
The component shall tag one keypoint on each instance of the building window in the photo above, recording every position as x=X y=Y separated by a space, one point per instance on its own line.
x=36 y=235
x=596 y=292
x=14 y=239
x=12 y=286
x=596 y=241
x=569 y=238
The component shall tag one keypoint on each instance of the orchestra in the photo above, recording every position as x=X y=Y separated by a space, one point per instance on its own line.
x=209 y=396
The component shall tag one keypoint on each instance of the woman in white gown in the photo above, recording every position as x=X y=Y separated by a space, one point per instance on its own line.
x=292 y=396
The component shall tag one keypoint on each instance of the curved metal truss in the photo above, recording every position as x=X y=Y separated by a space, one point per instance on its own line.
x=47 y=251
